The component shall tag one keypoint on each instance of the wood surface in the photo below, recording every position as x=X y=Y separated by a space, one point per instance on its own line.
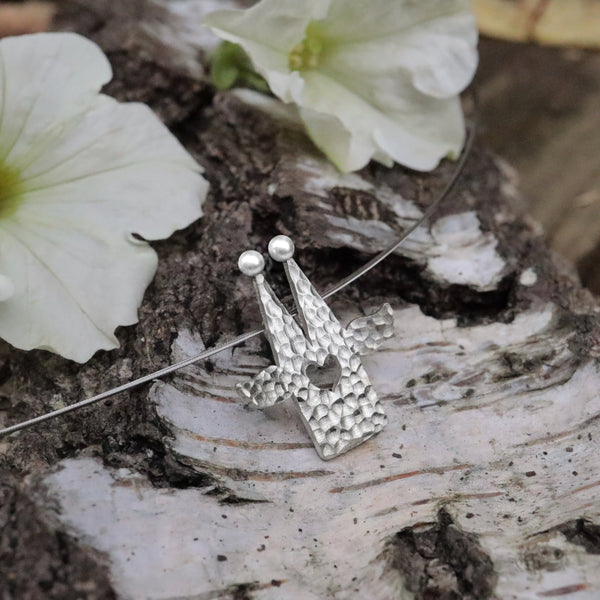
x=558 y=22
x=25 y=17
x=539 y=110
x=483 y=485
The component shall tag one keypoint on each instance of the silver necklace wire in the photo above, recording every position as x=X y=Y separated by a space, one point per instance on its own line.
x=240 y=339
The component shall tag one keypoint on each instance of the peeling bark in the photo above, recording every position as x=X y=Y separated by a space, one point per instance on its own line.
x=438 y=560
x=38 y=559
x=484 y=484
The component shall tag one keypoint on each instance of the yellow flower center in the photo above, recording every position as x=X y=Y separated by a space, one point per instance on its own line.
x=307 y=54
x=11 y=188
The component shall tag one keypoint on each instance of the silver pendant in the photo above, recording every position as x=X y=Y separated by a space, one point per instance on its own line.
x=340 y=412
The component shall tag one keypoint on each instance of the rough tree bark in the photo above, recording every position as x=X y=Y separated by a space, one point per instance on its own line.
x=483 y=485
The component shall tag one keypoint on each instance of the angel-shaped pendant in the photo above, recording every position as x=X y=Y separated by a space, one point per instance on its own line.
x=339 y=414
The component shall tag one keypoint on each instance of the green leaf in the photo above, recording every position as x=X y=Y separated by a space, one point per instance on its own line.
x=230 y=65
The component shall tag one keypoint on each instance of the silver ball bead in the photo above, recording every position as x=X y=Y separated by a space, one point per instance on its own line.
x=281 y=248
x=251 y=263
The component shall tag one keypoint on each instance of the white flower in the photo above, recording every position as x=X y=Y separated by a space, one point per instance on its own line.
x=79 y=174
x=373 y=78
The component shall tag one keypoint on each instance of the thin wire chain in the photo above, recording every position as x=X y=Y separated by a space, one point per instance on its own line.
x=371 y=264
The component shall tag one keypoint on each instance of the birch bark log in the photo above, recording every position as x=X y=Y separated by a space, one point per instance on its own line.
x=483 y=485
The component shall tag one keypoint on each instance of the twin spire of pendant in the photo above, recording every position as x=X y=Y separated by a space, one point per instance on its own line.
x=338 y=414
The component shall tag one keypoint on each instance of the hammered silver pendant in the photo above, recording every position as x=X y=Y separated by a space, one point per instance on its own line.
x=341 y=413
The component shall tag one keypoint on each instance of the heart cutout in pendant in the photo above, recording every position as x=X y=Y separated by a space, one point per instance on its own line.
x=326 y=376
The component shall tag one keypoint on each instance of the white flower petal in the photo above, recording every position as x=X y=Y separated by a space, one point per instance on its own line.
x=418 y=139
x=383 y=81
x=7 y=288
x=433 y=41
x=72 y=286
x=93 y=172
x=268 y=31
x=69 y=71
x=275 y=24
x=120 y=161
x=346 y=150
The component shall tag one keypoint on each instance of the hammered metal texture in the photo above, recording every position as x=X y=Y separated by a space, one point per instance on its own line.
x=367 y=333
x=337 y=419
